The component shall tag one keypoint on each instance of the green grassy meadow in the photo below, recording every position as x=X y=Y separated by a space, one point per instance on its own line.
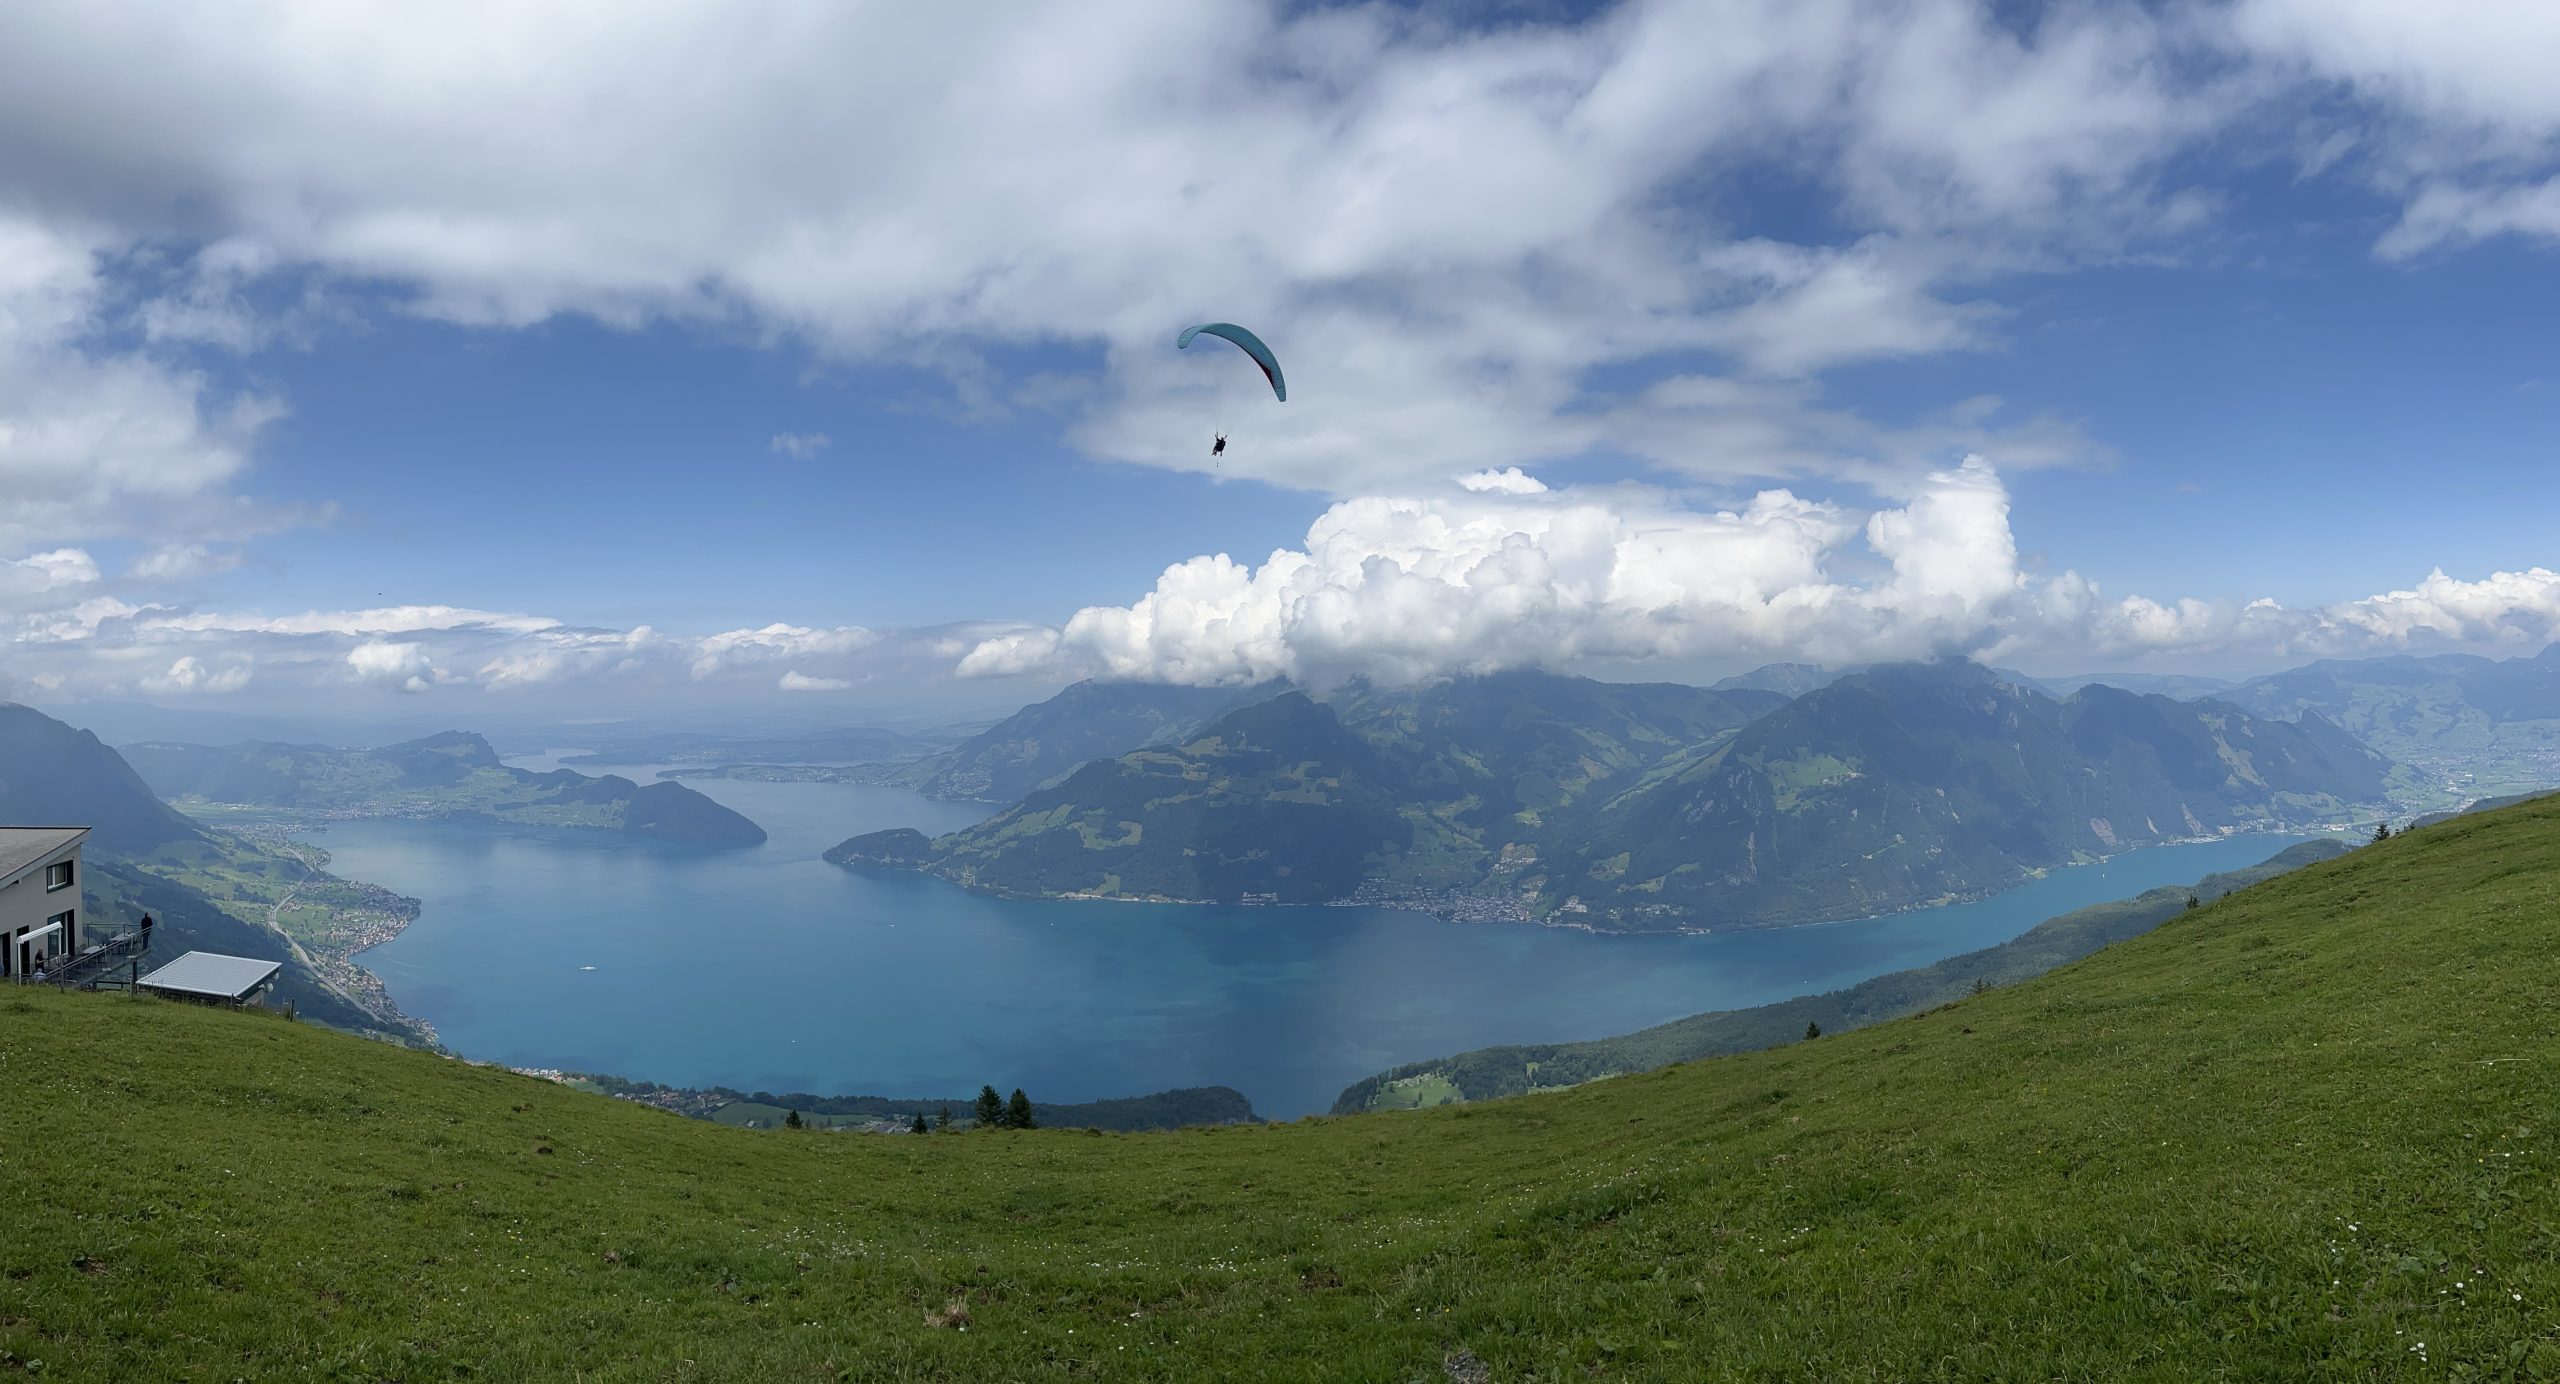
x=2301 y=1133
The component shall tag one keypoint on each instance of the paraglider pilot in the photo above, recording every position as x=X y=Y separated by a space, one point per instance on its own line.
x=1219 y=447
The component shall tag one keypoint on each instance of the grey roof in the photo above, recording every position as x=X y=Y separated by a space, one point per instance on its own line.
x=212 y=973
x=21 y=847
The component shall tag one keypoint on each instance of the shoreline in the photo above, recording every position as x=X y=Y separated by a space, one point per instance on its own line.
x=1417 y=904
x=333 y=953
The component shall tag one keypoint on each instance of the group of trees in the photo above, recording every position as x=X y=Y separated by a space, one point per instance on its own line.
x=995 y=1112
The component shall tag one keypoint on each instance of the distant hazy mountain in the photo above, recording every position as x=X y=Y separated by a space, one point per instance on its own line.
x=1646 y=807
x=452 y=774
x=1088 y=721
x=2186 y=686
x=1796 y=679
x=126 y=722
x=851 y=745
x=1786 y=679
x=2481 y=725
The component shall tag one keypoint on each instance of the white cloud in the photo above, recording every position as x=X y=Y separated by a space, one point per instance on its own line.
x=1444 y=230
x=404 y=619
x=95 y=443
x=556 y=654
x=190 y=674
x=1471 y=581
x=774 y=642
x=802 y=682
x=184 y=562
x=802 y=445
x=394 y=666
x=1510 y=480
x=2464 y=116
x=42 y=574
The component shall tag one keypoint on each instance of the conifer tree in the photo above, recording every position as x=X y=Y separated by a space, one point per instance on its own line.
x=792 y=1120
x=943 y=1120
x=990 y=1108
x=918 y=1126
x=1017 y=1112
x=2194 y=902
x=2382 y=831
x=1813 y=1030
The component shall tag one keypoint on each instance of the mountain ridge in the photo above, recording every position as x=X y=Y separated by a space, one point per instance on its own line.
x=1636 y=807
x=448 y=774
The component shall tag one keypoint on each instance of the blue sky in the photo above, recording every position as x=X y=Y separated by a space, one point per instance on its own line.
x=351 y=356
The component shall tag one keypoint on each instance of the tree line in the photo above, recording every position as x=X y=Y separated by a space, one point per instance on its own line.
x=991 y=1112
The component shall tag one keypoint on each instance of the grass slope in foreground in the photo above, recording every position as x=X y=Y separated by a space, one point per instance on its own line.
x=2294 y=1134
x=1513 y=1069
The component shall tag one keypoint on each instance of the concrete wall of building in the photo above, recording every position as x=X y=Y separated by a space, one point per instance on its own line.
x=27 y=905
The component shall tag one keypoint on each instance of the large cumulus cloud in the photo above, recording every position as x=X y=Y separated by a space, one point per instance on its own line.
x=1486 y=576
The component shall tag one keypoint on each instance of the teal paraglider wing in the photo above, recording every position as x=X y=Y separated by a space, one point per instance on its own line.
x=1252 y=347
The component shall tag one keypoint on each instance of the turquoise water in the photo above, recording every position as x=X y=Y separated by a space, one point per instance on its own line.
x=769 y=969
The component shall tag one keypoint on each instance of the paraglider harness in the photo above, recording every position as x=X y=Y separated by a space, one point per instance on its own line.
x=1219 y=447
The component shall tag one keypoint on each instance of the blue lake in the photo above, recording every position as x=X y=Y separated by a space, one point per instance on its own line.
x=769 y=969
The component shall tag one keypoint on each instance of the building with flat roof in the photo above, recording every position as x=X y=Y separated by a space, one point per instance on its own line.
x=40 y=897
x=211 y=976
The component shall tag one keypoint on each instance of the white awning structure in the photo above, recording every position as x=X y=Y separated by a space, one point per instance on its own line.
x=211 y=975
x=38 y=934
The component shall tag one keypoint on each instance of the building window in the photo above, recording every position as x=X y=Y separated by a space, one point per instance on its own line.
x=62 y=943
x=57 y=876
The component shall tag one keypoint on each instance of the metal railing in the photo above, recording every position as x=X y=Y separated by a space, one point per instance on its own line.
x=95 y=964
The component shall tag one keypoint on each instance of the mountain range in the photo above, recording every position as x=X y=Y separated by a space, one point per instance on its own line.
x=1643 y=807
x=452 y=774
x=2478 y=726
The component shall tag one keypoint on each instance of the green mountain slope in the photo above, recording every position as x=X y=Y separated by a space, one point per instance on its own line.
x=206 y=890
x=1085 y=722
x=1407 y=791
x=1918 y=782
x=1276 y=799
x=455 y=774
x=2297 y=1133
x=1652 y=807
x=1518 y=1068
x=52 y=774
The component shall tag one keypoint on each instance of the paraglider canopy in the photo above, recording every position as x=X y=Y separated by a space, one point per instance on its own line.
x=1252 y=347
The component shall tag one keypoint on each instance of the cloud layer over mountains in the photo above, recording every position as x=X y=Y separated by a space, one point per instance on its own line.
x=1500 y=572
x=1495 y=249
x=1493 y=572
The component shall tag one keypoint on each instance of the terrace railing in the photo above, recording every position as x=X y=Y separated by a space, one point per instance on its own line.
x=110 y=961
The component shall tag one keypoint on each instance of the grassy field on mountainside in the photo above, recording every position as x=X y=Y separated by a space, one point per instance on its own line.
x=1519 y=1068
x=2303 y=1132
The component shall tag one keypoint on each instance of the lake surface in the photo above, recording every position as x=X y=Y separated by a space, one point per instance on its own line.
x=769 y=969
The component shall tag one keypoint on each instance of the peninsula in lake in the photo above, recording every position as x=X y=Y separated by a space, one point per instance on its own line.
x=452 y=775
